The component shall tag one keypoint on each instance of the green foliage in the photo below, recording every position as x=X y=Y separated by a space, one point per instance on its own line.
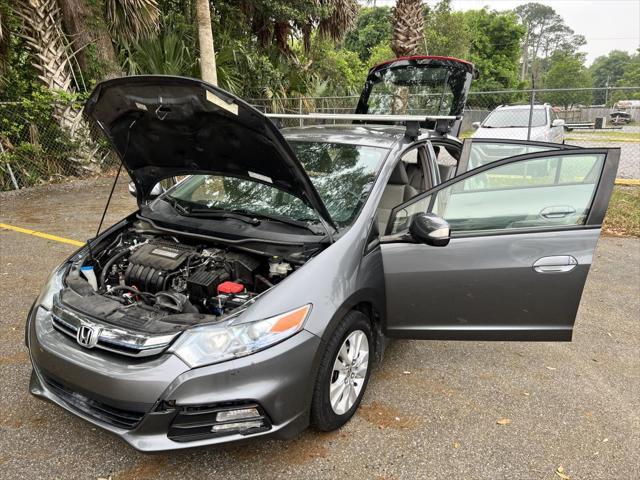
x=342 y=69
x=373 y=29
x=607 y=70
x=567 y=71
x=630 y=78
x=166 y=54
x=380 y=53
x=446 y=32
x=495 y=51
x=35 y=147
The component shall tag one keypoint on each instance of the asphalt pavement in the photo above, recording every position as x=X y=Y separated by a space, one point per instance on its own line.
x=451 y=410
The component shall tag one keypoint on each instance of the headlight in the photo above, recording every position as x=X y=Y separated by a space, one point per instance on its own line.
x=233 y=338
x=54 y=285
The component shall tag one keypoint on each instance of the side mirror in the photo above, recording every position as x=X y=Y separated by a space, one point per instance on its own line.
x=475 y=125
x=156 y=191
x=429 y=228
x=558 y=122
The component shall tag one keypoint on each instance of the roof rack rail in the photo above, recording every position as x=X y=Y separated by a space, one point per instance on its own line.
x=412 y=122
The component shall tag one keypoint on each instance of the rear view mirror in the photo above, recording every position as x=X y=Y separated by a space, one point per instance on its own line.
x=429 y=228
x=475 y=125
x=558 y=122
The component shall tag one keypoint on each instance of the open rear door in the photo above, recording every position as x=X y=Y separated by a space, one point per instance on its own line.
x=420 y=85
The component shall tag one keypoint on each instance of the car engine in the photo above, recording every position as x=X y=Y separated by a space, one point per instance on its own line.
x=172 y=276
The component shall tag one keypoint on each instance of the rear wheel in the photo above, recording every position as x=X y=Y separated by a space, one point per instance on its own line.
x=344 y=373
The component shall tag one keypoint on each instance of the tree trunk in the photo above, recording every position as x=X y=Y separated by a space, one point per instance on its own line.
x=86 y=27
x=205 y=39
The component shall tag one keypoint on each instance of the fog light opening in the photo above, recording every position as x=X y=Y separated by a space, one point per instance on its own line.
x=237 y=414
x=237 y=426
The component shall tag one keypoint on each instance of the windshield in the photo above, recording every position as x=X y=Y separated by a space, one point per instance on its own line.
x=515 y=117
x=342 y=175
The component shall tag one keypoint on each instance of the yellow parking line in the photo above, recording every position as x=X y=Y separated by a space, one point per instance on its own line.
x=48 y=236
x=627 y=181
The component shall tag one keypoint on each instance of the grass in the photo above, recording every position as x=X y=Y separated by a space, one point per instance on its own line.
x=603 y=135
x=623 y=215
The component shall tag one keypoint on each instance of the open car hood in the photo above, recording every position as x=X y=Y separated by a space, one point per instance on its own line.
x=418 y=85
x=163 y=126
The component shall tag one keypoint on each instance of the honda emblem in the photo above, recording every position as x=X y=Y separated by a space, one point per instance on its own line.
x=88 y=336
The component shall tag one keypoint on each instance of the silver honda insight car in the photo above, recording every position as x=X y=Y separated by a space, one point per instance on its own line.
x=253 y=297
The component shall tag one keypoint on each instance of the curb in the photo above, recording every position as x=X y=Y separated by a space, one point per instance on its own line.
x=628 y=181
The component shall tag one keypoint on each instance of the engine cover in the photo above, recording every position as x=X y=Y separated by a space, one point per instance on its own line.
x=150 y=265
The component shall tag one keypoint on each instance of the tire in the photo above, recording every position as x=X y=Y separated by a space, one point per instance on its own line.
x=325 y=415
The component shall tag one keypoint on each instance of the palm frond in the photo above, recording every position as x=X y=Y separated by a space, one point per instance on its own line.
x=132 y=20
x=341 y=15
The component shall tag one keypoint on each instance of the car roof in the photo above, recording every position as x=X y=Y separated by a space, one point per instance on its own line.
x=526 y=106
x=384 y=136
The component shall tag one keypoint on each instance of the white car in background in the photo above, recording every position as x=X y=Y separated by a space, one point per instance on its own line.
x=511 y=121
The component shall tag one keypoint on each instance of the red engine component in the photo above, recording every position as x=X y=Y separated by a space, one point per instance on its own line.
x=230 y=287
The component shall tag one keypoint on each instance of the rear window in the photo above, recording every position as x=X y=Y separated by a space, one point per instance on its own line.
x=416 y=90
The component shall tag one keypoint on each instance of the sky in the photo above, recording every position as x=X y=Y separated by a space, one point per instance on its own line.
x=606 y=24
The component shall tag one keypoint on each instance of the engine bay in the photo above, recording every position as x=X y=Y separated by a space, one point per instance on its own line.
x=154 y=276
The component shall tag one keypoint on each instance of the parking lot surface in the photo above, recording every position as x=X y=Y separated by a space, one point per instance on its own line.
x=476 y=410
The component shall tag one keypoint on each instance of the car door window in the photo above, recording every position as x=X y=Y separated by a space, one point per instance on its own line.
x=478 y=152
x=483 y=153
x=532 y=193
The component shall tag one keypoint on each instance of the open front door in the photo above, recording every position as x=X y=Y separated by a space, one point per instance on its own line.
x=523 y=234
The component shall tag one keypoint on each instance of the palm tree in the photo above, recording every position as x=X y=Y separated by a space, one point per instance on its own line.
x=341 y=15
x=205 y=41
x=408 y=25
x=51 y=58
x=4 y=41
x=132 y=20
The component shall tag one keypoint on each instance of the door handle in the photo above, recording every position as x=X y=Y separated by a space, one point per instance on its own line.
x=557 y=212
x=555 y=264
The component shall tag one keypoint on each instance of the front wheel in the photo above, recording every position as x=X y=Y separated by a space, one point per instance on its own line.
x=344 y=373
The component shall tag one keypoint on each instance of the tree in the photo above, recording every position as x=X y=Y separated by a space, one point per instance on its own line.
x=372 y=28
x=446 y=32
x=86 y=29
x=630 y=78
x=408 y=28
x=52 y=60
x=567 y=71
x=205 y=41
x=606 y=71
x=545 y=33
x=495 y=51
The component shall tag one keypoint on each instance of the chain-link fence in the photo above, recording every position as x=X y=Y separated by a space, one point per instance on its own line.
x=42 y=144
x=39 y=145
x=587 y=117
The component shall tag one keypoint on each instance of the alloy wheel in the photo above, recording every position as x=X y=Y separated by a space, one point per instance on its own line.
x=349 y=372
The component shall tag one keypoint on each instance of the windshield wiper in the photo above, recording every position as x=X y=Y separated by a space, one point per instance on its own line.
x=251 y=219
x=276 y=218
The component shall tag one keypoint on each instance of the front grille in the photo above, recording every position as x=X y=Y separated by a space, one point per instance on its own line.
x=112 y=339
x=117 y=417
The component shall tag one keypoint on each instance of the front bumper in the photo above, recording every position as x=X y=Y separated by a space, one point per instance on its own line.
x=151 y=393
